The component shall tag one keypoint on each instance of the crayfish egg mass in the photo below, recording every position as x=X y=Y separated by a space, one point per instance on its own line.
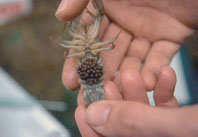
x=90 y=71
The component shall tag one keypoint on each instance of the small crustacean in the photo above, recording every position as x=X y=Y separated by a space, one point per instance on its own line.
x=88 y=47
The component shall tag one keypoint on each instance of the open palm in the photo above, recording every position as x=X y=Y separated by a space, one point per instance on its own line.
x=153 y=31
x=150 y=38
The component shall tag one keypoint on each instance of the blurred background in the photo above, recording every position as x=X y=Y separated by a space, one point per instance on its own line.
x=31 y=59
x=31 y=65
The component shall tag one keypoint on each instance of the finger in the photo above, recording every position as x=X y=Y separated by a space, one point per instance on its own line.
x=133 y=86
x=111 y=93
x=132 y=119
x=165 y=86
x=113 y=58
x=128 y=62
x=117 y=119
x=131 y=63
x=69 y=9
x=83 y=127
x=146 y=22
x=139 y=48
x=136 y=54
x=160 y=55
x=70 y=76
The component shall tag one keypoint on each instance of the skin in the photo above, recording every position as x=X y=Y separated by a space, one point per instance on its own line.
x=153 y=31
x=151 y=35
x=117 y=118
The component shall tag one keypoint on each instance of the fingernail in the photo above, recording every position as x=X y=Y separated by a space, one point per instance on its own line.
x=97 y=114
x=61 y=6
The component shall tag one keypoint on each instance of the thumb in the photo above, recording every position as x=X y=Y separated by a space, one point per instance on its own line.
x=69 y=9
x=131 y=119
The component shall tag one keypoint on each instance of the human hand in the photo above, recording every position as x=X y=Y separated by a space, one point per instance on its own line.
x=153 y=33
x=133 y=119
x=120 y=118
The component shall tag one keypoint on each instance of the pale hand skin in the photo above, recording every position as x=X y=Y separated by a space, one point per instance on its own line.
x=155 y=31
x=118 y=118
